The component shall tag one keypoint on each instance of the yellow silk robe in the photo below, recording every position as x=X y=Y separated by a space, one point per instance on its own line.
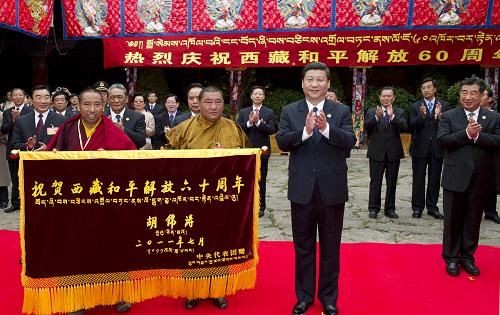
x=199 y=133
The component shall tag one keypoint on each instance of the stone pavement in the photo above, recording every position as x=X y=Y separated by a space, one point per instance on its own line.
x=276 y=224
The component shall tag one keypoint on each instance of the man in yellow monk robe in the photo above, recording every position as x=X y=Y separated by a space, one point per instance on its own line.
x=208 y=130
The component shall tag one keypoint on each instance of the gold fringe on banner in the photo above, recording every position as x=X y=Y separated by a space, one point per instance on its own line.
x=72 y=298
x=73 y=293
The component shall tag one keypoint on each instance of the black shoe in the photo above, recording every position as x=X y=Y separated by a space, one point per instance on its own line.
x=190 y=304
x=220 y=303
x=471 y=269
x=300 y=308
x=3 y=204
x=372 y=214
x=417 y=214
x=123 y=307
x=495 y=218
x=452 y=269
x=261 y=213
x=11 y=209
x=330 y=309
x=436 y=215
x=391 y=215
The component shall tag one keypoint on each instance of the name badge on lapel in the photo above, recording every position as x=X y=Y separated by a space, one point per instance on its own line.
x=52 y=131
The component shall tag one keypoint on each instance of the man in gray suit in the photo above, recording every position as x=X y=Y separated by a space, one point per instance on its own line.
x=318 y=134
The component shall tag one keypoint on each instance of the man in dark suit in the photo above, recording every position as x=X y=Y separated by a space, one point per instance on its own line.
x=258 y=123
x=490 y=208
x=425 y=152
x=9 y=119
x=383 y=124
x=132 y=123
x=165 y=120
x=471 y=136
x=193 y=96
x=33 y=131
x=317 y=133
x=60 y=99
x=152 y=106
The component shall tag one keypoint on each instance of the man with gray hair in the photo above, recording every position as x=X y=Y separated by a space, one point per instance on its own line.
x=132 y=123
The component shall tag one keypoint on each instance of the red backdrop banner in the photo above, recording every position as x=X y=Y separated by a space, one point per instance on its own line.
x=145 y=16
x=434 y=12
x=343 y=48
x=92 y=18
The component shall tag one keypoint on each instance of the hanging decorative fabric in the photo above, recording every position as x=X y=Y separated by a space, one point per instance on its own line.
x=358 y=99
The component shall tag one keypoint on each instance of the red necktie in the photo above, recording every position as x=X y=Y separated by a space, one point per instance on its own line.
x=39 y=125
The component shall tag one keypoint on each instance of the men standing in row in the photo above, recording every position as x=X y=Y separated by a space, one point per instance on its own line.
x=471 y=136
x=425 y=151
x=258 y=123
x=193 y=95
x=383 y=125
x=208 y=130
x=156 y=110
x=317 y=133
x=132 y=123
x=10 y=117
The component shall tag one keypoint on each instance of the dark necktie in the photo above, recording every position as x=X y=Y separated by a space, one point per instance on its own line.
x=171 y=120
x=471 y=116
x=316 y=134
x=430 y=106
x=118 y=118
x=39 y=125
x=385 y=118
x=151 y=107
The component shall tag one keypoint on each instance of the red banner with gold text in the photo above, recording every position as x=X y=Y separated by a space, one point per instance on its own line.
x=342 y=48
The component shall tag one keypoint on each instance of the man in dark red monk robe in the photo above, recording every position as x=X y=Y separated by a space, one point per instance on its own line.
x=90 y=130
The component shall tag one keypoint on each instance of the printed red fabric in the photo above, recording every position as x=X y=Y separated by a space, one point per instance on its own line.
x=92 y=17
x=35 y=16
x=224 y=15
x=155 y=16
x=292 y=14
x=8 y=12
x=447 y=12
x=495 y=17
x=370 y=13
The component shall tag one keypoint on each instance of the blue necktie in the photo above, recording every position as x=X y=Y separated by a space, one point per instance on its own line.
x=385 y=118
x=316 y=134
x=430 y=106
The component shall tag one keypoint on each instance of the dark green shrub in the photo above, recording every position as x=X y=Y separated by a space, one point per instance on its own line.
x=281 y=97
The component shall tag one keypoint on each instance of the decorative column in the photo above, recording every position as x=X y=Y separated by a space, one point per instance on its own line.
x=358 y=99
x=131 y=74
x=234 y=90
x=491 y=78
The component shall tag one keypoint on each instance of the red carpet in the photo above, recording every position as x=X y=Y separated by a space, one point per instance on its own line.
x=374 y=279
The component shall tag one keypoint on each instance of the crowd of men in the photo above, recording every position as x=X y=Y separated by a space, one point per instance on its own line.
x=316 y=131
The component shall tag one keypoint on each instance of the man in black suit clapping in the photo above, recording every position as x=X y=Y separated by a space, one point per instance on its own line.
x=258 y=123
x=471 y=137
x=425 y=152
x=317 y=133
x=384 y=124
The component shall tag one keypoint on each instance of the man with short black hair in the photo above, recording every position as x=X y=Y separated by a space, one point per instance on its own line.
x=33 y=131
x=193 y=97
x=10 y=117
x=258 y=123
x=385 y=150
x=426 y=155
